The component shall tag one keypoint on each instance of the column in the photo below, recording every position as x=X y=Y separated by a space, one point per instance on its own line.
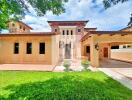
x=72 y=50
x=109 y=51
x=94 y=54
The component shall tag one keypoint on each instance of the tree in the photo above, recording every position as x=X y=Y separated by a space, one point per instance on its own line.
x=109 y=3
x=16 y=9
x=130 y=23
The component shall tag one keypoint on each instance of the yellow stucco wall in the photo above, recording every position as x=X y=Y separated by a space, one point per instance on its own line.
x=16 y=27
x=55 y=49
x=7 y=50
x=104 y=40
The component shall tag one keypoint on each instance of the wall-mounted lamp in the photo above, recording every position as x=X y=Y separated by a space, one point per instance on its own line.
x=97 y=46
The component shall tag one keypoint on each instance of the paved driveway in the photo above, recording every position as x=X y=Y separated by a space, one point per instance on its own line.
x=33 y=67
x=118 y=70
x=120 y=67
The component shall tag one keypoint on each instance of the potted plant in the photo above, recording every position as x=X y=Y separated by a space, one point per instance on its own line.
x=66 y=64
x=85 y=64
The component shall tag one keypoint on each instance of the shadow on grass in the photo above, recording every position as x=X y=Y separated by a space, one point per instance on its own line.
x=68 y=88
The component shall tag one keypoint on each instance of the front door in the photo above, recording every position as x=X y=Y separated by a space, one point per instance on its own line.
x=106 y=52
x=68 y=51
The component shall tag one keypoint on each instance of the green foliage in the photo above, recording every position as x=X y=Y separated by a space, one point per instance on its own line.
x=130 y=22
x=20 y=85
x=66 y=64
x=42 y=6
x=85 y=64
x=16 y=9
x=109 y=3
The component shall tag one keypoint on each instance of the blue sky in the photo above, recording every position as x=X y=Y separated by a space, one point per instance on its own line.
x=114 y=18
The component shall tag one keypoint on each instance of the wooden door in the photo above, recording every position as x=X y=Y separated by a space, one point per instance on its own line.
x=106 y=52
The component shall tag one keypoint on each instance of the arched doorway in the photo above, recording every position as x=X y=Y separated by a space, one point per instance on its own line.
x=68 y=51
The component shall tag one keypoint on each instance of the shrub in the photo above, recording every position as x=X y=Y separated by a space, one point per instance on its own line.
x=85 y=64
x=66 y=64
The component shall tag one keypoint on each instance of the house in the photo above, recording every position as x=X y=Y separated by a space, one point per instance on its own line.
x=67 y=40
x=129 y=28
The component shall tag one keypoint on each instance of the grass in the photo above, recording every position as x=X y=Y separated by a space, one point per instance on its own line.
x=24 y=85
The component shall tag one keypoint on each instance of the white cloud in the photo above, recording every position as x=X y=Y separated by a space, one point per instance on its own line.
x=113 y=18
x=38 y=24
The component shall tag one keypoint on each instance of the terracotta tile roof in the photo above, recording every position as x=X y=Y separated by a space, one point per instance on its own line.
x=90 y=28
x=30 y=34
x=69 y=21
x=104 y=32
x=110 y=32
x=25 y=25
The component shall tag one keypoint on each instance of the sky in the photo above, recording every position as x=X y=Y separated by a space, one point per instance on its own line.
x=114 y=18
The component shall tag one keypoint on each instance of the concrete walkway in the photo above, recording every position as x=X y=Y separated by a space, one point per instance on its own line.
x=118 y=70
x=117 y=76
x=121 y=67
x=27 y=67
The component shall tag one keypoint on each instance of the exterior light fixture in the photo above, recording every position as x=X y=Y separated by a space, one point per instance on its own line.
x=97 y=46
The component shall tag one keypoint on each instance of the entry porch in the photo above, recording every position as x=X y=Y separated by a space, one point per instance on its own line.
x=96 y=46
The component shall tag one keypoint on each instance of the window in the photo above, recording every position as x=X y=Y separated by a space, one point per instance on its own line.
x=115 y=47
x=124 y=46
x=20 y=27
x=87 y=49
x=42 y=48
x=16 y=48
x=71 y=32
x=79 y=30
x=13 y=24
x=29 y=48
x=63 y=32
x=24 y=28
x=55 y=30
x=67 y=32
x=128 y=46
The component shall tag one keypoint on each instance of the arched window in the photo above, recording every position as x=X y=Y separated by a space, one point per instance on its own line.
x=55 y=29
x=67 y=32
x=13 y=24
x=79 y=30
x=63 y=32
x=71 y=32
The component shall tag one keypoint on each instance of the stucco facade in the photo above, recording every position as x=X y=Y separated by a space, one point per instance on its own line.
x=7 y=49
x=100 y=43
x=67 y=40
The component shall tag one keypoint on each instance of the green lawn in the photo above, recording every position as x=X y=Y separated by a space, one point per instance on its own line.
x=22 y=85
